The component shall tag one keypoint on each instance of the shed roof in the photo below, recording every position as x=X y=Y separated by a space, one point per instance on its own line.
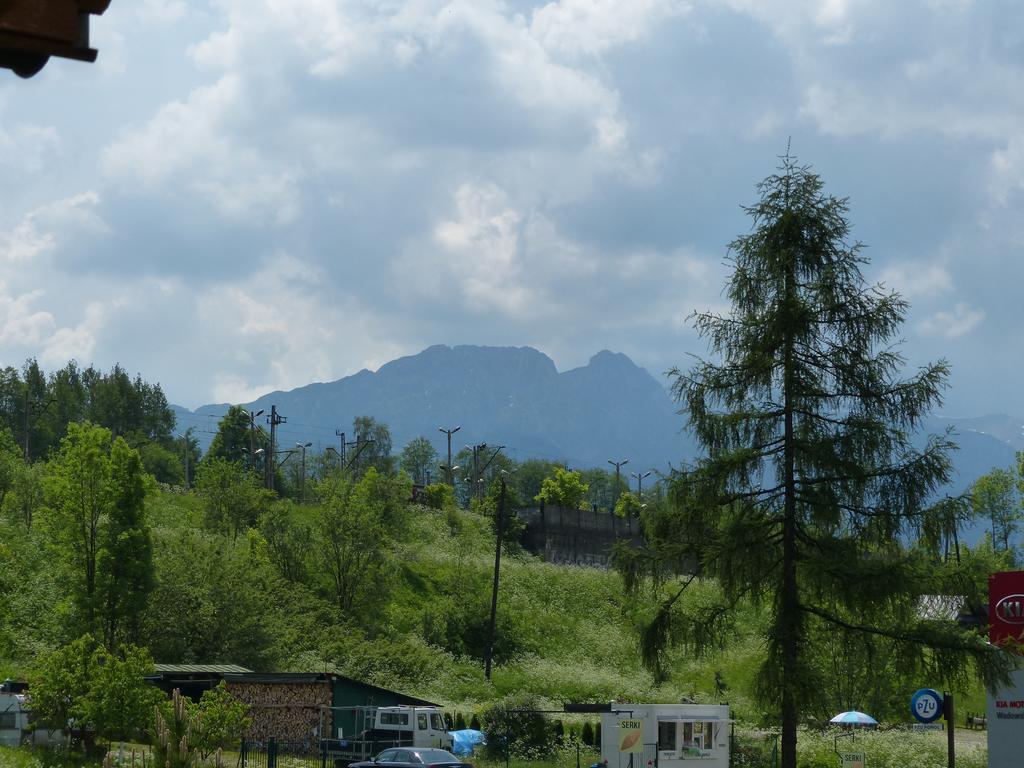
x=188 y=669
x=283 y=678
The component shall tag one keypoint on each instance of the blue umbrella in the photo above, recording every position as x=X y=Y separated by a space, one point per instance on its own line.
x=853 y=717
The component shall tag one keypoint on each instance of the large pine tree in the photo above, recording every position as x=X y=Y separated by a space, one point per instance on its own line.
x=811 y=492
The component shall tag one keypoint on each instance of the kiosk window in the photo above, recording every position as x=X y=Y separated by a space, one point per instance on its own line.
x=667 y=735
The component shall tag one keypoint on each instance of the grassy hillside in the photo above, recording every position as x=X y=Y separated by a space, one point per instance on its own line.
x=564 y=633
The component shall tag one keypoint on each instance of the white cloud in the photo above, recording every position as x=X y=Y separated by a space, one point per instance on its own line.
x=40 y=230
x=20 y=324
x=592 y=27
x=958 y=321
x=285 y=337
x=481 y=250
x=183 y=135
x=914 y=280
x=78 y=342
x=28 y=147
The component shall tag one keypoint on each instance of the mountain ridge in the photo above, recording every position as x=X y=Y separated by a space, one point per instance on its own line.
x=610 y=408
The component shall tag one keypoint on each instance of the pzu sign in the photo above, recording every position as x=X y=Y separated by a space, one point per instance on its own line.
x=926 y=705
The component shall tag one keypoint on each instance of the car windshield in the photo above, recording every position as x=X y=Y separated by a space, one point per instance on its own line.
x=436 y=756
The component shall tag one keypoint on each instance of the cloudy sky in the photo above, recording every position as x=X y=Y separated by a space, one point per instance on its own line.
x=246 y=195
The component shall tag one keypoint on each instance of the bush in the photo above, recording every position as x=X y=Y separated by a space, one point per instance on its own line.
x=587 y=737
x=514 y=726
x=438 y=496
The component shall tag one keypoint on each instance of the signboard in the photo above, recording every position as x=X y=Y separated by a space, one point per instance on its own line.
x=1005 y=710
x=926 y=726
x=926 y=705
x=1006 y=609
x=631 y=735
x=852 y=760
x=1006 y=724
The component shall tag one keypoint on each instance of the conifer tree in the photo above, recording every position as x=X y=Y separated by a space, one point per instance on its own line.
x=125 y=572
x=810 y=492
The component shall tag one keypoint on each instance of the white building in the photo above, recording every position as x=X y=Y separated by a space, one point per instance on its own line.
x=665 y=736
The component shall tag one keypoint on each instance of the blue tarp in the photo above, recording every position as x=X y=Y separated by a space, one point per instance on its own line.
x=464 y=740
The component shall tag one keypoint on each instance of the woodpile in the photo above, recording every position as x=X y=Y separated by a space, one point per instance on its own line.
x=286 y=711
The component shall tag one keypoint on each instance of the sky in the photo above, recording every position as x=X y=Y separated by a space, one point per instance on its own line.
x=241 y=196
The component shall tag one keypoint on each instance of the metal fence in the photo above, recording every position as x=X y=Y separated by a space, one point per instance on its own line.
x=273 y=753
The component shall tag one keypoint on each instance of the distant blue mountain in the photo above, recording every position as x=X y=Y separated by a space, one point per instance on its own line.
x=514 y=396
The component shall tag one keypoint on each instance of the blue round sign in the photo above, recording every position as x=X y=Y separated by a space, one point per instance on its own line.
x=926 y=705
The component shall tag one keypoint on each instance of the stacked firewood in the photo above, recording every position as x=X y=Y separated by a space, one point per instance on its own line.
x=283 y=711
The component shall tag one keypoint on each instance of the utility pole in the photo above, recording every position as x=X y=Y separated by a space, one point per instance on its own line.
x=340 y=434
x=617 y=465
x=494 y=455
x=497 y=571
x=448 y=466
x=252 y=435
x=274 y=419
x=302 y=479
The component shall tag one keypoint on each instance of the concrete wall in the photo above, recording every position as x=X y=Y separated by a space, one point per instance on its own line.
x=576 y=536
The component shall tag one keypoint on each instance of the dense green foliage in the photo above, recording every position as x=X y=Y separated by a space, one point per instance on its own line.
x=358 y=580
x=563 y=489
x=37 y=408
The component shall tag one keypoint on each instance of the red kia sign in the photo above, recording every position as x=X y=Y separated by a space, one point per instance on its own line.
x=1006 y=609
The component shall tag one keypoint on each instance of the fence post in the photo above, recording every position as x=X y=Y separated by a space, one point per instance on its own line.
x=271 y=752
x=243 y=750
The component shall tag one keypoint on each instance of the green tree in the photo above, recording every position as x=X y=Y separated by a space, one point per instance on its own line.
x=232 y=497
x=418 y=459
x=10 y=464
x=628 y=505
x=78 y=495
x=232 y=440
x=289 y=539
x=994 y=497
x=515 y=726
x=219 y=721
x=119 y=701
x=600 y=488
x=162 y=462
x=373 y=445
x=564 y=488
x=811 y=485
x=125 y=560
x=59 y=682
x=352 y=533
x=529 y=476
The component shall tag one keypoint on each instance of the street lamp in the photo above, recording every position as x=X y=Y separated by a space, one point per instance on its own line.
x=617 y=465
x=448 y=466
x=640 y=482
x=302 y=481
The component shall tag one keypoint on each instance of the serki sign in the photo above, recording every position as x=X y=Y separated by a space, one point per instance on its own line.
x=1006 y=610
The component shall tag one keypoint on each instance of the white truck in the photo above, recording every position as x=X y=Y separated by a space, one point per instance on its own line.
x=360 y=733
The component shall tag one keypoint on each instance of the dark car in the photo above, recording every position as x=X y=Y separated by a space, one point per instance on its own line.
x=413 y=757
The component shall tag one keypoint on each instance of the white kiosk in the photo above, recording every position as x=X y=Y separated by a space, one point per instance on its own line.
x=665 y=735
